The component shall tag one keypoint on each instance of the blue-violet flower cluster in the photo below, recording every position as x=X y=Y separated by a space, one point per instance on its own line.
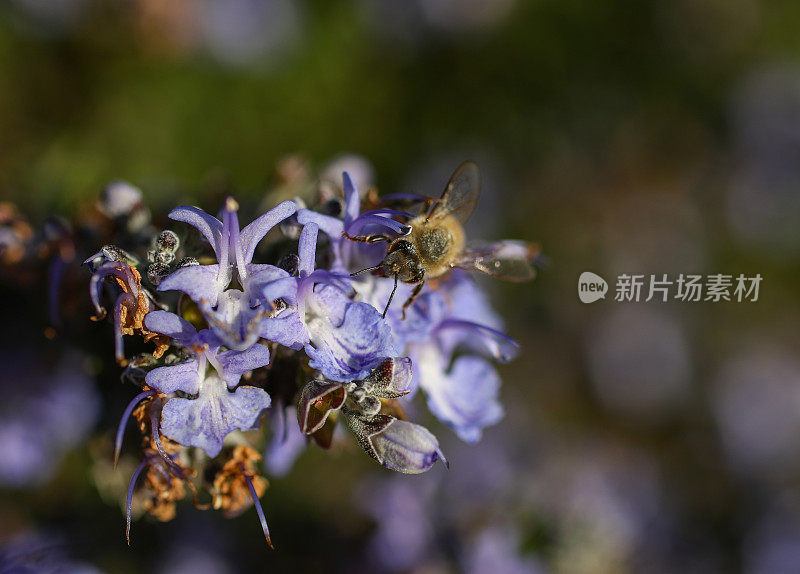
x=297 y=327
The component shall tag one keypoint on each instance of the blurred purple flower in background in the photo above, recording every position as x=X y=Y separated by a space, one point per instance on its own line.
x=39 y=553
x=44 y=418
x=757 y=410
x=639 y=361
x=465 y=517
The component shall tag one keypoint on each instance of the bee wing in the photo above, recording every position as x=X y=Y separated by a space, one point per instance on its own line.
x=461 y=194
x=507 y=260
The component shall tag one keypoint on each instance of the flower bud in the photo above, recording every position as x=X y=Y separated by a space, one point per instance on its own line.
x=398 y=445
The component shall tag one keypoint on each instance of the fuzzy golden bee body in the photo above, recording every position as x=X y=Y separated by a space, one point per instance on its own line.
x=434 y=242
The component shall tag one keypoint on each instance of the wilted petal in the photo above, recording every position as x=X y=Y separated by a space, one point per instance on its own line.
x=398 y=445
x=351 y=350
x=316 y=402
x=171 y=325
x=204 y=422
x=183 y=377
x=199 y=282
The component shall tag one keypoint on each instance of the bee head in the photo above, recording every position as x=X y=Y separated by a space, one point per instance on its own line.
x=402 y=260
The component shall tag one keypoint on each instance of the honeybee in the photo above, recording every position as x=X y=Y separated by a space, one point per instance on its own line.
x=434 y=242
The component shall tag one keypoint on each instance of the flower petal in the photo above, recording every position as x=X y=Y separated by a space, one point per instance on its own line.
x=286 y=329
x=183 y=377
x=466 y=398
x=351 y=350
x=199 y=282
x=375 y=217
x=286 y=444
x=237 y=363
x=352 y=199
x=454 y=333
x=208 y=225
x=285 y=289
x=204 y=422
x=234 y=322
x=171 y=325
x=255 y=232
x=331 y=226
x=307 y=249
x=261 y=275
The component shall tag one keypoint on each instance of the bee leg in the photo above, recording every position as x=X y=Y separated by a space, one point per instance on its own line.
x=411 y=297
x=367 y=238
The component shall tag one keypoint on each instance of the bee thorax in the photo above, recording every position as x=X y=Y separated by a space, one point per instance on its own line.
x=434 y=244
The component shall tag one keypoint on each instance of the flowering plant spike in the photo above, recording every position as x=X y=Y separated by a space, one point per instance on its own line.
x=310 y=329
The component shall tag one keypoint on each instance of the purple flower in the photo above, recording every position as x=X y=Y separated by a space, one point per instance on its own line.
x=343 y=339
x=462 y=390
x=217 y=409
x=235 y=315
x=405 y=533
x=464 y=397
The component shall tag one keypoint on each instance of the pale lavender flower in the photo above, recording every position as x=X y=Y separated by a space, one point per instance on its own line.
x=462 y=390
x=219 y=407
x=235 y=315
x=343 y=339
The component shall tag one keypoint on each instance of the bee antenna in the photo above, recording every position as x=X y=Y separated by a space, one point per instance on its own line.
x=354 y=273
x=389 y=302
